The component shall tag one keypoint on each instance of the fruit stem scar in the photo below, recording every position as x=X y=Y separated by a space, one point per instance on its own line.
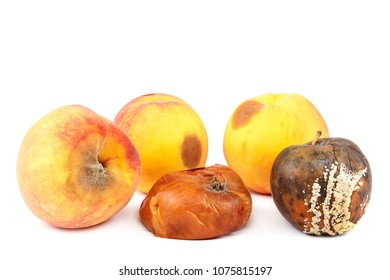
x=217 y=185
x=104 y=163
x=318 y=135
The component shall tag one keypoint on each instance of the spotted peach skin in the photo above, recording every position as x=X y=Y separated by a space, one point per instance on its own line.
x=168 y=134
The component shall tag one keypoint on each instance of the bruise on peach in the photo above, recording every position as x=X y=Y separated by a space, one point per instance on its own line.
x=191 y=151
x=245 y=112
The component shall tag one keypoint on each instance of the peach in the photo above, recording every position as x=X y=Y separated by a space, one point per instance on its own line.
x=76 y=169
x=168 y=134
x=199 y=203
x=261 y=127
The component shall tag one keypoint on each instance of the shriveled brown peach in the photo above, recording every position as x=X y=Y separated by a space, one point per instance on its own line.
x=200 y=203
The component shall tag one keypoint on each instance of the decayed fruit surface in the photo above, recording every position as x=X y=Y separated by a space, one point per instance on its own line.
x=167 y=133
x=76 y=169
x=197 y=204
x=261 y=127
x=322 y=187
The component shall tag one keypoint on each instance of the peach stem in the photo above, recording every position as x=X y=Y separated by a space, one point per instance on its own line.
x=217 y=185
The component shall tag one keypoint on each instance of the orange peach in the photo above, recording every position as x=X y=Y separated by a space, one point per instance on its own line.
x=168 y=134
x=76 y=169
x=261 y=127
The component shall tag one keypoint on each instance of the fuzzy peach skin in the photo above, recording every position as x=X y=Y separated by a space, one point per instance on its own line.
x=76 y=169
x=261 y=127
x=168 y=134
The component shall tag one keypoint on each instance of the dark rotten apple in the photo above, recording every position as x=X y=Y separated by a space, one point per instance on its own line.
x=322 y=187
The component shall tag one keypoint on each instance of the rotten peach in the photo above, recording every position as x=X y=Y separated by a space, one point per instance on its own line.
x=200 y=203
x=168 y=134
x=76 y=169
x=261 y=127
x=322 y=187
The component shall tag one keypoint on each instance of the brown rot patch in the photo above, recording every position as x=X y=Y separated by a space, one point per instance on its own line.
x=245 y=112
x=191 y=151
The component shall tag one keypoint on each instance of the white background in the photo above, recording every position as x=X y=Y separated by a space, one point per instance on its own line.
x=214 y=55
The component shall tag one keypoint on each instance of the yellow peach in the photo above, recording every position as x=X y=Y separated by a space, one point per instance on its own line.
x=261 y=127
x=168 y=134
x=76 y=169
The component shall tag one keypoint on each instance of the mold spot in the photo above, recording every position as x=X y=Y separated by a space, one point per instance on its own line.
x=96 y=175
x=191 y=151
x=245 y=112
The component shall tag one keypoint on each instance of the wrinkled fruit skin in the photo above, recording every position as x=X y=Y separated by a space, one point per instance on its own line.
x=322 y=189
x=184 y=205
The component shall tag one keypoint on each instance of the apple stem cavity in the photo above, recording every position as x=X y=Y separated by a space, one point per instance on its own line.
x=318 y=135
x=217 y=185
